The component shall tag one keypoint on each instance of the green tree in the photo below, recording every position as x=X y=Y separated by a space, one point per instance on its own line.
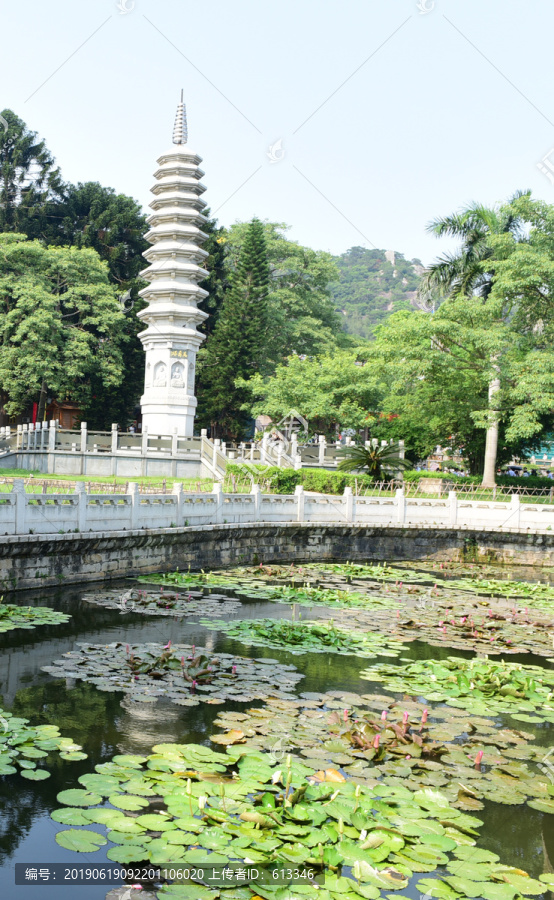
x=237 y=348
x=217 y=281
x=435 y=373
x=469 y=272
x=301 y=313
x=90 y=215
x=61 y=325
x=330 y=391
x=28 y=173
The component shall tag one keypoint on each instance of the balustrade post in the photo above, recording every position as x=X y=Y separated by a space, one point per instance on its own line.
x=322 y=445
x=18 y=489
x=515 y=507
x=348 y=504
x=300 y=500
x=115 y=436
x=82 y=505
x=217 y=494
x=84 y=434
x=177 y=492
x=400 y=506
x=52 y=436
x=256 y=492
x=133 y=491
x=453 y=505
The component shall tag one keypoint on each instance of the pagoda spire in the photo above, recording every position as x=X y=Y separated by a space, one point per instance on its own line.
x=180 y=131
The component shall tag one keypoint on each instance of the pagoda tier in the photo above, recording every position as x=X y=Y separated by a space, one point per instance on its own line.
x=171 y=339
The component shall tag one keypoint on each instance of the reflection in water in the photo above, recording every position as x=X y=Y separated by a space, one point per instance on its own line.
x=105 y=724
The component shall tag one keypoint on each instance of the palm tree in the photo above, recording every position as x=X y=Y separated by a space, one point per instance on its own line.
x=470 y=272
x=376 y=461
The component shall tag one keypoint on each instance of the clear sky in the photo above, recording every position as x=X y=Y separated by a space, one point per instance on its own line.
x=388 y=114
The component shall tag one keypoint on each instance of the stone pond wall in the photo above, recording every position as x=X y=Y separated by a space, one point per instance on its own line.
x=33 y=561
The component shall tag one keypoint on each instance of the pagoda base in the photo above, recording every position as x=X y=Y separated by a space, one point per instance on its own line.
x=168 y=420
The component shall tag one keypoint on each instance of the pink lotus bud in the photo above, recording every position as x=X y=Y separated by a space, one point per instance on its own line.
x=384 y=715
x=127 y=648
x=234 y=670
x=376 y=740
x=490 y=613
x=189 y=597
x=424 y=715
x=441 y=623
x=345 y=715
x=463 y=620
x=193 y=686
x=408 y=756
x=405 y=718
x=478 y=758
x=183 y=661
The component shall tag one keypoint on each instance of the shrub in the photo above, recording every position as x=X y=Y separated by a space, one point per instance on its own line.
x=284 y=481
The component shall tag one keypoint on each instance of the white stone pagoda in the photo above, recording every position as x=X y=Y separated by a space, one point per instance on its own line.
x=171 y=340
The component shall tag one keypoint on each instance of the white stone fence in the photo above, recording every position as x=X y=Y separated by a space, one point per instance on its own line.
x=22 y=513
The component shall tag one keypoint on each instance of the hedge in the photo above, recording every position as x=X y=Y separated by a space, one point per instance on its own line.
x=284 y=481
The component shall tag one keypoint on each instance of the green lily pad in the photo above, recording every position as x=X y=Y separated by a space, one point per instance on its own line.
x=80 y=841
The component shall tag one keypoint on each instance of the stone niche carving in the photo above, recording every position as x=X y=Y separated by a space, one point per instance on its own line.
x=190 y=383
x=160 y=374
x=177 y=376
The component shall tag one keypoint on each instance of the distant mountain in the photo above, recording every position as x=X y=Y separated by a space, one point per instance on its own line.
x=374 y=284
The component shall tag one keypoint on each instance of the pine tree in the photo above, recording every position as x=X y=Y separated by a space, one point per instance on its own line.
x=29 y=176
x=237 y=348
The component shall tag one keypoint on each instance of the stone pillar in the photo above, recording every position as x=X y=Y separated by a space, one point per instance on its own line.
x=294 y=445
x=322 y=445
x=82 y=502
x=19 y=437
x=144 y=450
x=400 y=507
x=25 y=438
x=174 y=439
x=263 y=448
x=114 y=437
x=216 y=448
x=453 y=503
x=83 y=437
x=133 y=490
x=217 y=494
x=177 y=492
x=52 y=436
x=300 y=499
x=515 y=511
x=297 y=461
x=348 y=504
x=18 y=489
x=256 y=492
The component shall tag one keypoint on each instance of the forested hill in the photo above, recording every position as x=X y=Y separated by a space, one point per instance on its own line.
x=373 y=284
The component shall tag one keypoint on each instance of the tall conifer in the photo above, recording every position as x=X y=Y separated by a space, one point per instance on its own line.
x=237 y=347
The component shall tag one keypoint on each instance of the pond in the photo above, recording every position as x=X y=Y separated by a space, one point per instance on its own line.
x=322 y=695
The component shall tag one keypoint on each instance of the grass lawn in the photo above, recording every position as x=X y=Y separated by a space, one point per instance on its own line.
x=152 y=481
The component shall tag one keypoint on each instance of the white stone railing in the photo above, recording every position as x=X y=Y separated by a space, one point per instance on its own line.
x=22 y=513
